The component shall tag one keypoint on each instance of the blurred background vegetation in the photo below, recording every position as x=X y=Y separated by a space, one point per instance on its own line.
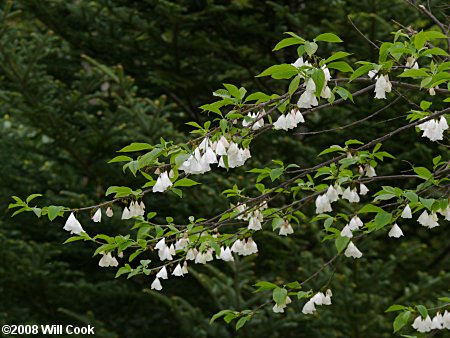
x=80 y=79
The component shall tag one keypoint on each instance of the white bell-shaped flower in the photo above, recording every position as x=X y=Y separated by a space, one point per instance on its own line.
x=108 y=260
x=347 y=232
x=352 y=251
x=323 y=204
x=428 y=220
x=309 y=308
x=73 y=225
x=363 y=190
x=406 y=213
x=97 y=216
x=109 y=212
x=395 y=231
x=332 y=194
x=178 y=271
x=156 y=285
x=162 y=183
x=286 y=229
x=355 y=223
x=226 y=254
x=162 y=273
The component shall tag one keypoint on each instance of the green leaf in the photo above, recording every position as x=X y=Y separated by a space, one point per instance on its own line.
x=337 y=56
x=422 y=310
x=283 y=71
x=396 y=307
x=414 y=73
x=318 y=77
x=361 y=71
x=119 y=191
x=53 y=211
x=382 y=219
x=279 y=295
x=74 y=239
x=135 y=146
x=233 y=90
x=331 y=149
x=423 y=172
x=424 y=105
x=288 y=42
x=263 y=286
x=341 y=243
x=310 y=48
x=412 y=196
x=427 y=202
x=435 y=51
x=219 y=314
x=125 y=269
x=401 y=320
x=241 y=322
x=328 y=37
x=148 y=158
x=293 y=86
x=120 y=158
x=31 y=197
x=368 y=208
x=185 y=182
x=275 y=173
x=341 y=66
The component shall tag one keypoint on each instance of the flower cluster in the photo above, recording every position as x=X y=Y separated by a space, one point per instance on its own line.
x=439 y=322
x=108 y=260
x=354 y=224
x=165 y=252
x=318 y=299
x=279 y=308
x=289 y=121
x=135 y=209
x=244 y=247
x=256 y=119
x=434 y=129
x=323 y=202
x=163 y=182
x=382 y=85
x=179 y=271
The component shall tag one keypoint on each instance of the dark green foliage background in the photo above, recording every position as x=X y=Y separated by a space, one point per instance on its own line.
x=63 y=119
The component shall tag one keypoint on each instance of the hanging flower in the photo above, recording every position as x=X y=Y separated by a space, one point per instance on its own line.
x=363 y=190
x=162 y=273
x=73 y=225
x=428 y=220
x=309 y=308
x=332 y=194
x=226 y=254
x=323 y=204
x=162 y=183
x=126 y=213
x=178 y=271
x=347 y=232
x=382 y=85
x=109 y=212
x=395 y=231
x=355 y=223
x=286 y=229
x=352 y=251
x=156 y=285
x=411 y=63
x=434 y=129
x=406 y=213
x=97 y=216
x=108 y=260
